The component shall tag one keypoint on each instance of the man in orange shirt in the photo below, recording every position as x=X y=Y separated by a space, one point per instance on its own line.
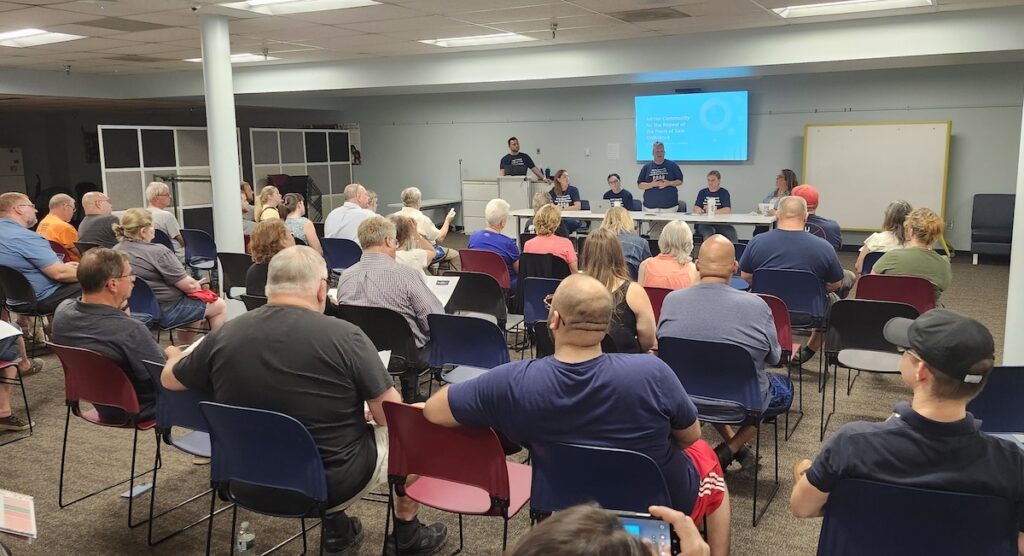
x=56 y=227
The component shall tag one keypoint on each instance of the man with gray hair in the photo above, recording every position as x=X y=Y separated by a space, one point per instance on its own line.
x=158 y=197
x=493 y=239
x=97 y=226
x=302 y=351
x=412 y=200
x=343 y=222
x=56 y=227
x=377 y=280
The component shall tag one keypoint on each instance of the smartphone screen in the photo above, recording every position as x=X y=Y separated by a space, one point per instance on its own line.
x=659 y=533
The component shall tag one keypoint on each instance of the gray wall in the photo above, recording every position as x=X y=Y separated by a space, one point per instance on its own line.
x=419 y=139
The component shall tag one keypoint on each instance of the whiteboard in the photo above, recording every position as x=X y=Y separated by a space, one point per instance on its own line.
x=859 y=168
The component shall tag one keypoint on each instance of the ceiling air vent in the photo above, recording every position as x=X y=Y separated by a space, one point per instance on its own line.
x=124 y=25
x=136 y=59
x=648 y=15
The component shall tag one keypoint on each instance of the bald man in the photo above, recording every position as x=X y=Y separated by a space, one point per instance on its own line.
x=56 y=226
x=97 y=226
x=581 y=396
x=343 y=222
x=735 y=317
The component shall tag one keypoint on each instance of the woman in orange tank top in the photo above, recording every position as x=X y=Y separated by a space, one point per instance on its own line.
x=673 y=268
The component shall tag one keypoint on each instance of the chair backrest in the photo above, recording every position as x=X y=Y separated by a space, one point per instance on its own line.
x=533 y=265
x=84 y=246
x=199 y=246
x=143 y=301
x=17 y=289
x=299 y=241
x=912 y=290
x=458 y=340
x=869 y=262
x=487 y=262
x=469 y=456
x=62 y=253
x=637 y=205
x=387 y=329
x=175 y=408
x=478 y=293
x=252 y=302
x=91 y=377
x=803 y=292
x=868 y=517
x=318 y=227
x=998 y=404
x=161 y=237
x=584 y=204
x=234 y=267
x=657 y=296
x=740 y=248
x=993 y=210
x=858 y=324
x=780 y=314
x=534 y=292
x=714 y=370
x=524 y=237
x=655 y=248
x=341 y=253
x=544 y=343
x=264 y=448
x=815 y=229
x=568 y=474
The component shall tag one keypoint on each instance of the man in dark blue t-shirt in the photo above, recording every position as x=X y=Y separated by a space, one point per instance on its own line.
x=581 y=396
x=718 y=195
x=516 y=163
x=660 y=180
x=616 y=191
x=933 y=442
x=789 y=247
x=833 y=235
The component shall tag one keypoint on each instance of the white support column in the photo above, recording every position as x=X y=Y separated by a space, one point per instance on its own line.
x=1013 y=346
x=221 y=133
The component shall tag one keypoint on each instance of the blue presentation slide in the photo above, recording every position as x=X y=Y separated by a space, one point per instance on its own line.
x=695 y=126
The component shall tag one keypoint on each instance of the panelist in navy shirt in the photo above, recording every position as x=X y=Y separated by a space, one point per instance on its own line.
x=516 y=163
x=567 y=198
x=723 y=205
x=660 y=180
x=615 y=191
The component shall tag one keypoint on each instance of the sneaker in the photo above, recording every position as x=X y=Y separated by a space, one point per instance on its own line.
x=200 y=460
x=37 y=365
x=428 y=539
x=745 y=457
x=348 y=544
x=803 y=356
x=13 y=423
x=725 y=455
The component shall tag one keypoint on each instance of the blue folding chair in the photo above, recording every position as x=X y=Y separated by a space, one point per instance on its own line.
x=145 y=309
x=160 y=237
x=740 y=248
x=868 y=517
x=568 y=474
x=534 y=290
x=473 y=345
x=869 y=261
x=241 y=441
x=176 y=409
x=200 y=250
x=340 y=253
x=721 y=379
x=637 y=206
x=998 y=404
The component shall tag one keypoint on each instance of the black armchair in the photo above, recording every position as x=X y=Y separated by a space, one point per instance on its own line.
x=992 y=224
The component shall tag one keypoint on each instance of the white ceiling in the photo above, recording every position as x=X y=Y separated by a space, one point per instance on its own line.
x=147 y=36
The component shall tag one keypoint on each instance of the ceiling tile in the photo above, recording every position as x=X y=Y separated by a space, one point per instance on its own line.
x=546 y=11
x=563 y=23
x=357 y=42
x=442 y=33
x=356 y=15
x=40 y=18
x=606 y=6
x=176 y=18
x=7 y=6
x=449 y=7
x=145 y=48
x=118 y=8
x=308 y=32
x=161 y=35
x=407 y=24
x=735 y=8
x=84 y=30
x=85 y=45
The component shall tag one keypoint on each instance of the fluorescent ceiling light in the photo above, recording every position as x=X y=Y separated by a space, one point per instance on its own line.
x=848 y=7
x=34 y=37
x=243 y=58
x=285 y=7
x=479 y=40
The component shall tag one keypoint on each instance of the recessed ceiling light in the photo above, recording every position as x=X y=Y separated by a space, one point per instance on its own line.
x=284 y=7
x=848 y=7
x=33 y=37
x=479 y=40
x=243 y=58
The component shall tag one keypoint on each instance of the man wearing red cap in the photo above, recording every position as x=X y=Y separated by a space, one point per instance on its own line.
x=932 y=442
x=831 y=228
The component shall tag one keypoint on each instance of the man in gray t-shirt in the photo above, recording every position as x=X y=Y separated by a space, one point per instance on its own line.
x=97 y=226
x=158 y=197
x=731 y=316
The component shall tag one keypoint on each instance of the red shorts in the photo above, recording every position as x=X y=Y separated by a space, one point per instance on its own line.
x=711 y=489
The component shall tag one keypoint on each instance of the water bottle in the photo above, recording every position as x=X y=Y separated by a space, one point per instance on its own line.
x=246 y=538
x=711 y=202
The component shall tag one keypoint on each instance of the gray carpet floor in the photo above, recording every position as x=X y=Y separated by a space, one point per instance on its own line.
x=99 y=456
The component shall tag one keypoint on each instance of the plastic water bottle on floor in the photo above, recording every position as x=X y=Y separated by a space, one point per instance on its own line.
x=246 y=538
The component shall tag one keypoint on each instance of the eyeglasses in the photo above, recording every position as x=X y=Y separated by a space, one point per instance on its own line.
x=130 y=276
x=779 y=178
x=910 y=352
x=26 y=205
x=547 y=300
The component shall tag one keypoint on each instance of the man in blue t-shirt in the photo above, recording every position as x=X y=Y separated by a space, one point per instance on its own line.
x=932 y=442
x=581 y=396
x=616 y=191
x=833 y=234
x=493 y=239
x=516 y=163
x=660 y=180
x=718 y=195
x=789 y=247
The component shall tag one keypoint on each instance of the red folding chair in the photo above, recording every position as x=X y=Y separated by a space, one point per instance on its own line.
x=780 y=314
x=657 y=296
x=912 y=290
x=461 y=470
x=488 y=262
x=92 y=378
x=62 y=252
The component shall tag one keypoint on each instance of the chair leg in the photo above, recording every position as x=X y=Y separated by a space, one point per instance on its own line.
x=152 y=504
x=20 y=382
x=757 y=471
x=756 y=518
x=63 y=458
x=800 y=397
x=231 y=537
x=504 y=535
x=209 y=525
x=460 y=537
x=387 y=518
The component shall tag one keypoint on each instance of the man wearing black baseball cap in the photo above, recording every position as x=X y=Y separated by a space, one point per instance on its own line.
x=931 y=442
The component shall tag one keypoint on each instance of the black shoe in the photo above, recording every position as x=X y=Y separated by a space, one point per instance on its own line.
x=345 y=543
x=803 y=356
x=725 y=455
x=425 y=540
x=745 y=458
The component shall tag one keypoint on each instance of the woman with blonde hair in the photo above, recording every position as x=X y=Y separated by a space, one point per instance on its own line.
x=546 y=222
x=267 y=203
x=673 y=268
x=892 y=236
x=294 y=209
x=268 y=238
x=632 y=327
x=923 y=228
x=634 y=247
x=413 y=249
x=160 y=269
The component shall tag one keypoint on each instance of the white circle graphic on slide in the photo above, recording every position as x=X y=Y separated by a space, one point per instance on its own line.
x=715 y=114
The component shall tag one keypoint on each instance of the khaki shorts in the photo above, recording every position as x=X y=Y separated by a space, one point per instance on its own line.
x=380 y=470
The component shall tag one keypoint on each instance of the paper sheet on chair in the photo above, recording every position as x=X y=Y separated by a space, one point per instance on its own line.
x=7 y=330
